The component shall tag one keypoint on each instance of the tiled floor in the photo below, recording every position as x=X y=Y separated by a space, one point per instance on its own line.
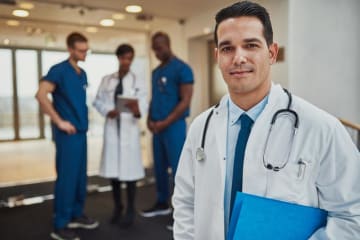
x=34 y=161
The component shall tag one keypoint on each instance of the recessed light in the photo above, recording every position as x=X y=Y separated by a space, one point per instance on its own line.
x=6 y=41
x=107 y=22
x=207 y=30
x=20 y=13
x=133 y=8
x=38 y=31
x=26 y=5
x=91 y=29
x=12 y=23
x=118 y=16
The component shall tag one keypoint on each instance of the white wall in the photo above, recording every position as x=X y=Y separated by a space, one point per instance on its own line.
x=324 y=62
x=198 y=53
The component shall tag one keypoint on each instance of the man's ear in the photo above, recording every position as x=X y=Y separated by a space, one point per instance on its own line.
x=216 y=51
x=273 y=52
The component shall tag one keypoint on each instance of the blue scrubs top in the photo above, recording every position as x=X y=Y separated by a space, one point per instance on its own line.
x=166 y=81
x=69 y=97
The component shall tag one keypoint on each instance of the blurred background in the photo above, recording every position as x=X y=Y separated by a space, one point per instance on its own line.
x=319 y=61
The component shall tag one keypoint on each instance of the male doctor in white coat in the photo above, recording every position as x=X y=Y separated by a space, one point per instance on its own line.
x=121 y=155
x=323 y=166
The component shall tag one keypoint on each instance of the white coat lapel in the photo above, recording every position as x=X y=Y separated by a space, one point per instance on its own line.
x=254 y=174
x=220 y=126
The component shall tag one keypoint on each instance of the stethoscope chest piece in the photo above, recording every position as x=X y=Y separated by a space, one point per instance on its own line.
x=200 y=154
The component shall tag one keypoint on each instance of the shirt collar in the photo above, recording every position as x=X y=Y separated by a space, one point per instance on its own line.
x=254 y=112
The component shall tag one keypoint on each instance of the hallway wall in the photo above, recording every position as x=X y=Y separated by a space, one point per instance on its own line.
x=325 y=54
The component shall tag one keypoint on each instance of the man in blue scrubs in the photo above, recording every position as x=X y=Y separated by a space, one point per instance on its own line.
x=68 y=112
x=172 y=87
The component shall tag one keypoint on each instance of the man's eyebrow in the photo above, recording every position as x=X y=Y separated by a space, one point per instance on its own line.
x=224 y=43
x=247 y=40
x=251 y=40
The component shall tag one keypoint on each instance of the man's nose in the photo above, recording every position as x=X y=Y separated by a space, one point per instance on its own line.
x=239 y=57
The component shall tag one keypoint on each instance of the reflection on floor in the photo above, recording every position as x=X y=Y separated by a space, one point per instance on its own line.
x=26 y=162
x=35 y=221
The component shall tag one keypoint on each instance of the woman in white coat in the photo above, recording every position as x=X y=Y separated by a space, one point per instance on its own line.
x=121 y=155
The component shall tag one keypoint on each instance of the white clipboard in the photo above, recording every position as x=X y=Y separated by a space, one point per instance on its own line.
x=121 y=102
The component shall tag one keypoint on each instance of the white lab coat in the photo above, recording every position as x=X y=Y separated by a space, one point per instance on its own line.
x=121 y=154
x=330 y=181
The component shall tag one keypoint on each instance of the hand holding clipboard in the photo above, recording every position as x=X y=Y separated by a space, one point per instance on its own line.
x=128 y=104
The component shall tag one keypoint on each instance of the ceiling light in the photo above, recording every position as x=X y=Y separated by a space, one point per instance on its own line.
x=107 y=22
x=20 y=13
x=91 y=29
x=26 y=5
x=29 y=30
x=13 y=23
x=118 y=16
x=50 y=40
x=38 y=31
x=207 y=30
x=6 y=41
x=133 y=8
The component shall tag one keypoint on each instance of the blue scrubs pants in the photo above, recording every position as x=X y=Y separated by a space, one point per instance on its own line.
x=167 y=147
x=70 y=185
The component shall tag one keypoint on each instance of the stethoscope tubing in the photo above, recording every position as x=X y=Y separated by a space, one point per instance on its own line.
x=273 y=120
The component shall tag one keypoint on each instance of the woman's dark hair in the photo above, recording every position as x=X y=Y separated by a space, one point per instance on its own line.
x=123 y=49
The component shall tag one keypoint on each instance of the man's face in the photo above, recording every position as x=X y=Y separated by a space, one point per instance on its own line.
x=243 y=55
x=125 y=61
x=78 y=51
x=161 y=49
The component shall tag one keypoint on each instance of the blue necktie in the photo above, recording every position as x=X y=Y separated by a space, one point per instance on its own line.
x=246 y=124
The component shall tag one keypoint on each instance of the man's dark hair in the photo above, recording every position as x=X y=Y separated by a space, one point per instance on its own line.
x=249 y=9
x=123 y=49
x=74 y=37
x=163 y=35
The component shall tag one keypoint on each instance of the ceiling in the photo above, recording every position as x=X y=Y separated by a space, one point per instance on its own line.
x=173 y=9
x=51 y=20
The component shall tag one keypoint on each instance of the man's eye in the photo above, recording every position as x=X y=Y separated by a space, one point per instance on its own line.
x=226 y=49
x=251 y=45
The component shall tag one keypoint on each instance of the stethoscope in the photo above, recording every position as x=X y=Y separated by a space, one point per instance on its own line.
x=133 y=84
x=200 y=152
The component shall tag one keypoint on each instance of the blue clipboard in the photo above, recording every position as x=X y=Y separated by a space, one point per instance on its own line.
x=259 y=218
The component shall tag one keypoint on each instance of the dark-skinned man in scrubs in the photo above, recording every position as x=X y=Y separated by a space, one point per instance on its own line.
x=172 y=87
x=68 y=112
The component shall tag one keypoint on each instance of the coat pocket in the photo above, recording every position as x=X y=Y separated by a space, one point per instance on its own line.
x=290 y=183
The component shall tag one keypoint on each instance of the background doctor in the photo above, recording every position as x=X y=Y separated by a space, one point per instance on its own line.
x=121 y=155
x=321 y=171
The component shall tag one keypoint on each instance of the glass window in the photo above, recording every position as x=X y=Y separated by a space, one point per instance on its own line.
x=27 y=84
x=6 y=96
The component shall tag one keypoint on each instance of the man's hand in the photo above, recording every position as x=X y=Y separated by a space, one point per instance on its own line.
x=113 y=114
x=66 y=127
x=160 y=126
x=151 y=125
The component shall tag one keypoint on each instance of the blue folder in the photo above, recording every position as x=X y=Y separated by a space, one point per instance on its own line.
x=259 y=218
